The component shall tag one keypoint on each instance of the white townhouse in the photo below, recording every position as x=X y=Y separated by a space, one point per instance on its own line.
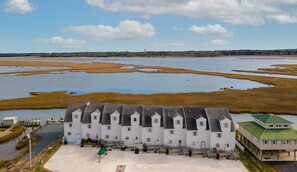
x=222 y=132
x=198 y=134
x=152 y=125
x=111 y=123
x=131 y=124
x=91 y=121
x=72 y=123
x=193 y=127
x=174 y=127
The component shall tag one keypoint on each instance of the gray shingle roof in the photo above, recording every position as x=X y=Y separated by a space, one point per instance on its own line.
x=169 y=113
x=109 y=109
x=193 y=113
x=216 y=114
x=129 y=110
x=148 y=112
x=71 y=108
x=89 y=109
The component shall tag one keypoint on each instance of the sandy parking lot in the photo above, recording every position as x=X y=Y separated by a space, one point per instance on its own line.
x=76 y=159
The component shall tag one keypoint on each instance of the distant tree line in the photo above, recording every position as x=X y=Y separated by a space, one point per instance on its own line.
x=160 y=53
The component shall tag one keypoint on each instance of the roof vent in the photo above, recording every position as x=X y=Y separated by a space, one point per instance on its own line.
x=88 y=103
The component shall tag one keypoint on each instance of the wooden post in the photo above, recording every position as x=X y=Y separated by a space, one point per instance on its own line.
x=294 y=154
x=261 y=155
x=277 y=154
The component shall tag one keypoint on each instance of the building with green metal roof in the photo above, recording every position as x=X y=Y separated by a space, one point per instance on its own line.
x=269 y=137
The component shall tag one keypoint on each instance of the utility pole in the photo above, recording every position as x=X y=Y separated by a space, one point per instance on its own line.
x=30 y=152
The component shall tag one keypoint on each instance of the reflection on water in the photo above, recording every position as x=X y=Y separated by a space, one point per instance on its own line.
x=20 y=86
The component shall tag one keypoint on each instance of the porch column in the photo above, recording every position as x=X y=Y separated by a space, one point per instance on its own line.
x=294 y=154
x=261 y=155
x=277 y=154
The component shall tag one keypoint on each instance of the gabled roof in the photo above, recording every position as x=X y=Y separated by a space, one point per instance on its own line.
x=108 y=110
x=148 y=112
x=171 y=112
x=214 y=116
x=89 y=109
x=192 y=114
x=129 y=110
x=71 y=108
x=271 y=119
x=268 y=134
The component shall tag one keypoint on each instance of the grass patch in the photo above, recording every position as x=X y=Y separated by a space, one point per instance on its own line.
x=16 y=131
x=253 y=164
x=47 y=155
x=21 y=144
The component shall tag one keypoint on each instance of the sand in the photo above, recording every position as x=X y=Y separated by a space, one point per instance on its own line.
x=75 y=159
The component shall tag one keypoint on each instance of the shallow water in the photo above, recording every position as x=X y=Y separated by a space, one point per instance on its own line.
x=20 y=86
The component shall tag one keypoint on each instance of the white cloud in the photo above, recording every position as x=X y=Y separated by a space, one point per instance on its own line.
x=167 y=44
x=212 y=30
x=62 y=42
x=254 y=12
x=283 y=18
x=217 y=42
x=127 y=29
x=18 y=6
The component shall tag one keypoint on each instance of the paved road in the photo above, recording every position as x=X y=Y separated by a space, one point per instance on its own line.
x=289 y=166
x=47 y=135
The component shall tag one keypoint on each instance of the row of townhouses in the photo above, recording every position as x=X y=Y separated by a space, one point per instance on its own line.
x=194 y=127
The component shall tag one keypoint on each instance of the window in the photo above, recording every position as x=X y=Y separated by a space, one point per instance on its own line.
x=265 y=142
x=135 y=119
x=88 y=135
x=170 y=141
x=148 y=139
x=107 y=136
x=171 y=131
x=285 y=125
x=149 y=130
x=95 y=117
x=201 y=123
x=286 y=142
x=177 y=122
x=129 y=129
x=69 y=133
x=114 y=118
x=70 y=124
x=156 y=121
x=273 y=142
x=89 y=126
x=193 y=143
x=75 y=116
x=194 y=133
x=227 y=145
x=136 y=138
x=127 y=138
x=179 y=141
x=219 y=135
x=226 y=125
x=108 y=127
x=270 y=125
x=217 y=145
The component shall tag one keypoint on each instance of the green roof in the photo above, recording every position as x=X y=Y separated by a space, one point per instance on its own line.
x=269 y=134
x=271 y=119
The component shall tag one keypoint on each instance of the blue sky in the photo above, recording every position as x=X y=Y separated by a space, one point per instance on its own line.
x=135 y=25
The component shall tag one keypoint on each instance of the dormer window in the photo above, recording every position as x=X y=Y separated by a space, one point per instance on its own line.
x=114 y=118
x=177 y=122
x=156 y=121
x=201 y=123
x=75 y=116
x=135 y=119
x=95 y=117
x=226 y=125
